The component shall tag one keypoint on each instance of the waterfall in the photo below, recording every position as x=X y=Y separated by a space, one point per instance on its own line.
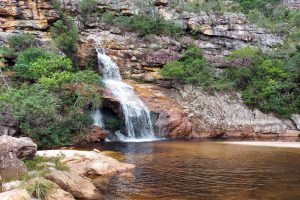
x=136 y=114
x=98 y=118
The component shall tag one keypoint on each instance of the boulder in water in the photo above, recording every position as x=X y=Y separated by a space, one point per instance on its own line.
x=96 y=134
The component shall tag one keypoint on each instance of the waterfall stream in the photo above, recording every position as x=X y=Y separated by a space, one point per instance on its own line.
x=98 y=118
x=136 y=114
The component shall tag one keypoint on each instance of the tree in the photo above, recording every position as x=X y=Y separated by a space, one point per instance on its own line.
x=191 y=68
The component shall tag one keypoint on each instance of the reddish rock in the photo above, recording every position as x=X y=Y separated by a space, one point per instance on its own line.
x=171 y=121
x=96 y=134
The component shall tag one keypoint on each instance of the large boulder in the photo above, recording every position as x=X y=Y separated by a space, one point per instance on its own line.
x=15 y=195
x=96 y=134
x=22 y=147
x=11 y=151
x=75 y=184
x=59 y=194
x=10 y=166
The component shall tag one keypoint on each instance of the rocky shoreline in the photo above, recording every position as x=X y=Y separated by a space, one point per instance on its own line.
x=86 y=175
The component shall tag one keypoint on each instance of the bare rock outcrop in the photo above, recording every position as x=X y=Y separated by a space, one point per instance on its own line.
x=96 y=134
x=22 y=147
x=15 y=195
x=225 y=114
x=170 y=120
x=76 y=185
x=11 y=151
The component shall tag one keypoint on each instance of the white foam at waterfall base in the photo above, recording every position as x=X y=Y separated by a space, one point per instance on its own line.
x=136 y=114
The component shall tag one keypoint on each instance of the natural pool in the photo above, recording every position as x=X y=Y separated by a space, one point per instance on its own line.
x=194 y=170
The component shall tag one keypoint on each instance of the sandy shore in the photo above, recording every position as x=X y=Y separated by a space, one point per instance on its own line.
x=268 y=144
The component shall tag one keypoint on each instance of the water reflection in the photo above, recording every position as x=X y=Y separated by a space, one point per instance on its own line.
x=207 y=170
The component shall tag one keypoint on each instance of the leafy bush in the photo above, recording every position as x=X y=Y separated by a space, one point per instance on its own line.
x=18 y=43
x=199 y=5
x=64 y=34
x=267 y=84
x=143 y=24
x=192 y=68
x=262 y=5
x=55 y=105
x=35 y=63
x=270 y=90
x=87 y=8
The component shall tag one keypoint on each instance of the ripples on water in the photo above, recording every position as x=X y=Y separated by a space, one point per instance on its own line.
x=179 y=170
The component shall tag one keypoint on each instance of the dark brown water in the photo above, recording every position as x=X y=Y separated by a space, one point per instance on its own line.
x=187 y=170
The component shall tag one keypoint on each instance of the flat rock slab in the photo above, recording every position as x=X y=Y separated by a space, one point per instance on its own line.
x=89 y=162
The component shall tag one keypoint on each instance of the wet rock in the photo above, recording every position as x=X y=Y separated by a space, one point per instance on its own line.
x=17 y=194
x=171 y=121
x=96 y=134
x=76 y=185
x=98 y=167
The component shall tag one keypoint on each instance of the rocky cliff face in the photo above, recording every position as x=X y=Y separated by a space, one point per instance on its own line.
x=293 y=4
x=182 y=112
x=33 y=16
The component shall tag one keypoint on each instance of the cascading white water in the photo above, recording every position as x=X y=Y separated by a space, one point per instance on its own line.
x=98 y=118
x=136 y=114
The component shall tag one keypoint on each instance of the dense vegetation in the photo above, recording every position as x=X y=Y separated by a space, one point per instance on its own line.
x=143 y=24
x=272 y=85
x=48 y=97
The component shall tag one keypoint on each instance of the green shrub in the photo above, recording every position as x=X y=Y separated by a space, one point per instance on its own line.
x=18 y=43
x=199 y=5
x=192 y=68
x=35 y=63
x=87 y=76
x=87 y=8
x=143 y=24
x=64 y=34
x=266 y=84
x=266 y=6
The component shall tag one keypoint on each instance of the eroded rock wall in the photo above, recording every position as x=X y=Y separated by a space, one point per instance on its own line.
x=225 y=114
